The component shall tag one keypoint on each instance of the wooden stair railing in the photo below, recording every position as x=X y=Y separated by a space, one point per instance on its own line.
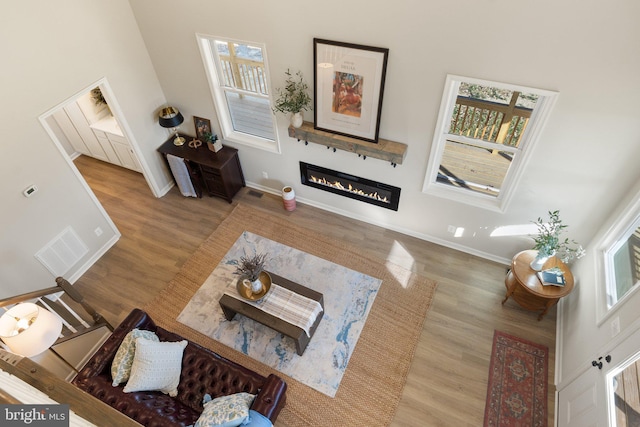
x=52 y=299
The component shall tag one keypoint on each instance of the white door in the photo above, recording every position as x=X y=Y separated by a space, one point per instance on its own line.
x=582 y=403
x=594 y=399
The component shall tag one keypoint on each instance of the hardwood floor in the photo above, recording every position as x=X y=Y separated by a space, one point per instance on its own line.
x=447 y=382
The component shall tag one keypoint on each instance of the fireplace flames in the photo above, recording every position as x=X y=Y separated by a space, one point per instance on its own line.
x=349 y=188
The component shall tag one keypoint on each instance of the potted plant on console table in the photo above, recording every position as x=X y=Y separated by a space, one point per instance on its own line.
x=294 y=98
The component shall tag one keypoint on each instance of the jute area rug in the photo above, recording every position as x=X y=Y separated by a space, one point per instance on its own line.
x=372 y=384
x=348 y=297
x=517 y=390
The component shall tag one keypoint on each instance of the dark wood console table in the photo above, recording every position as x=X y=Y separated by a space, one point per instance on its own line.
x=218 y=174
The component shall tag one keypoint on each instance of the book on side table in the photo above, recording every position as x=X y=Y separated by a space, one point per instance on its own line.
x=551 y=277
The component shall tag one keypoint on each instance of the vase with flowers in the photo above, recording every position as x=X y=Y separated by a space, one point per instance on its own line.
x=249 y=268
x=549 y=243
x=294 y=98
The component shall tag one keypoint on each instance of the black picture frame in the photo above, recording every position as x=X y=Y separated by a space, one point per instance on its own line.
x=348 y=83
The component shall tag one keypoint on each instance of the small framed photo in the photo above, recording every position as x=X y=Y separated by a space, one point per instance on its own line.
x=203 y=126
x=348 y=82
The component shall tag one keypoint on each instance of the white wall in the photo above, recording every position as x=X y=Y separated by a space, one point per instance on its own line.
x=587 y=51
x=52 y=50
x=586 y=331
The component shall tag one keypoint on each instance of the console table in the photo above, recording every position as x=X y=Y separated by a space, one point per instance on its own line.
x=218 y=174
x=524 y=286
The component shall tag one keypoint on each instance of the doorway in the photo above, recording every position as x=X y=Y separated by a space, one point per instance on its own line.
x=59 y=139
x=607 y=394
x=623 y=392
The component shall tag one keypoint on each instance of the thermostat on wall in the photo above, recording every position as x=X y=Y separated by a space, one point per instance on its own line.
x=30 y=190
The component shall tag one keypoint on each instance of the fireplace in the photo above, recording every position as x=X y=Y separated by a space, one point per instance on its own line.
x=365 y=190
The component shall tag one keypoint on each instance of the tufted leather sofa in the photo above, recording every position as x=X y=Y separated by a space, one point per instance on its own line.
x=203 y=371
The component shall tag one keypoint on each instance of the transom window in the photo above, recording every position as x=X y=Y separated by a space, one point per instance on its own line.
x=483 y=131
x=239 y=81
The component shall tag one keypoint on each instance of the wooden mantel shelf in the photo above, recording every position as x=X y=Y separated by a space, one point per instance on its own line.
x=393 y=152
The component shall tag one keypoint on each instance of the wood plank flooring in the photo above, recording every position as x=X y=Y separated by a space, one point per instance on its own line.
x=447 y=382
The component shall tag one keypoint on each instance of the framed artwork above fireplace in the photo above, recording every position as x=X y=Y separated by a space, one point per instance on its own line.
x=348 y=84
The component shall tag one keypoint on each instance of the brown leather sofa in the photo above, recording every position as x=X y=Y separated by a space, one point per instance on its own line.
x=203 y=371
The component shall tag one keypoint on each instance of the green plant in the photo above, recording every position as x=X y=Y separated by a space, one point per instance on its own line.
x=548 y=241
x=209 y=137
x=251 y=266
x=294 y=98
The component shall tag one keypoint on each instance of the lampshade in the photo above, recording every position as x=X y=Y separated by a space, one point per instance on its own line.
x=28 y=329
x=170 y=117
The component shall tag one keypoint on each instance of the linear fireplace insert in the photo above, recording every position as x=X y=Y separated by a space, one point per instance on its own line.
x=354 y=187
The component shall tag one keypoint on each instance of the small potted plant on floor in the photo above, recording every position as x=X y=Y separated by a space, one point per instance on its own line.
x=249 y=268
x=294 y=98
x=548 y=242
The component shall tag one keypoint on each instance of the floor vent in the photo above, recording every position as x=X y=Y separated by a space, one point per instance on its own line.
x=60 y=254
x=255 y=193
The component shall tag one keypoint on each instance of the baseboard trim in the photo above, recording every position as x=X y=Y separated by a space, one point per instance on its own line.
x=93 y=259
x=164 y=190
x=388 y=226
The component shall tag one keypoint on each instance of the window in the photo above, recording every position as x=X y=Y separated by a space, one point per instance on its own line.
x=239 y=81
x=622 y=264
x=483 y=132
x=618 y=260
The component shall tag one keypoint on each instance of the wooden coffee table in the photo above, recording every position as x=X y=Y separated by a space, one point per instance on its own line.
x=232 y=306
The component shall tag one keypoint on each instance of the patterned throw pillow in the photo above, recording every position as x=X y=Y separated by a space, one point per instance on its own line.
x=256 y=419
x=226 y=411
x=121 y=365
x=156 y=366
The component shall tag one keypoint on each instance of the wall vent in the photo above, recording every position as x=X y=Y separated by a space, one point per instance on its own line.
x=60 y=254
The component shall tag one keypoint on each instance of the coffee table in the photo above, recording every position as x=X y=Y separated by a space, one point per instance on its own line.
x=232 y=306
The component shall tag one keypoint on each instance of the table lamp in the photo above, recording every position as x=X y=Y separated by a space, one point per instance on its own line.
x=28 y=329
x=170 y=117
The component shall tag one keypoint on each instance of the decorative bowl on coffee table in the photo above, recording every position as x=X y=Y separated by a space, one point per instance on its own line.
x=246 y=293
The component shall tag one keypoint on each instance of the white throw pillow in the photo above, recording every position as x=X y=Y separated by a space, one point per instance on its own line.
x=121 y=365
x=226 y=411
x=156 y=366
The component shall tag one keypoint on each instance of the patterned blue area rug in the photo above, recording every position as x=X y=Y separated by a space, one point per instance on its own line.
x=348 y=297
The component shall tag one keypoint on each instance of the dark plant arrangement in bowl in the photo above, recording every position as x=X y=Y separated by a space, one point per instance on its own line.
x=250 y=267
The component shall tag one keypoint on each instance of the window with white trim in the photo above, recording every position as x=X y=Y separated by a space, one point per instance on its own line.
x=482 y=138
x=622 y=263
x=239 y=79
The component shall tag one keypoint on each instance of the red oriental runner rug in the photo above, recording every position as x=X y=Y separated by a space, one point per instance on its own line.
x=517 y=390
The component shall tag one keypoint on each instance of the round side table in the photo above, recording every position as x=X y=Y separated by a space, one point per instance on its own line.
x=524 y=286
